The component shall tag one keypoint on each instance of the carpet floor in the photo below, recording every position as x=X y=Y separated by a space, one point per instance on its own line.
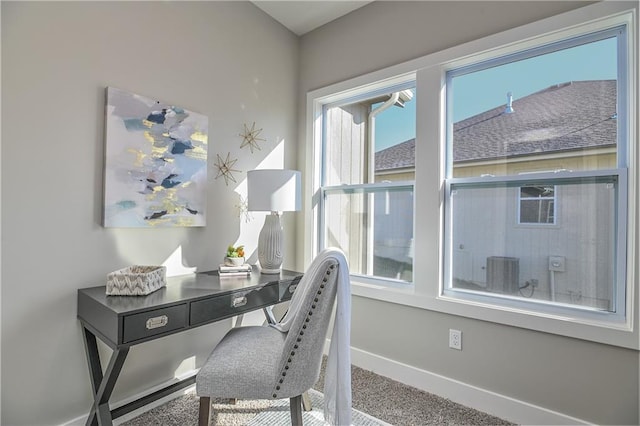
x=399 y=404
x=384 y=399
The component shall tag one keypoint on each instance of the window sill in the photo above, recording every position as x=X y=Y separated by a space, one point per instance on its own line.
x=616 y=334
x=405 y=295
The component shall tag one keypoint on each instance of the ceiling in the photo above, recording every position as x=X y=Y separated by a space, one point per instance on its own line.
x=303 y=16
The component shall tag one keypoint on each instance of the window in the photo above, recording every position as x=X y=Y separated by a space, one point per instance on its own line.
x=558 y=107
x=523 y=208
x=367 y=169
x=537 y=204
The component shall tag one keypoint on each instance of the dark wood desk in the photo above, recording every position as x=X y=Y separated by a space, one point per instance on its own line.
x=186 y=302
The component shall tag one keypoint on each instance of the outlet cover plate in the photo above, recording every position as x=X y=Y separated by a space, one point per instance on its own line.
x=455 y=339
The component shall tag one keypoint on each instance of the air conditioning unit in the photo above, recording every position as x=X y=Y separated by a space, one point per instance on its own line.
x=503 y=274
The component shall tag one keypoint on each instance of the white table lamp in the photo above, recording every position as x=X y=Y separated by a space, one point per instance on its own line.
x=274 y=191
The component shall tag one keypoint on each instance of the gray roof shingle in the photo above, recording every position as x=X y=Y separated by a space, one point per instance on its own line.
x=569 y=116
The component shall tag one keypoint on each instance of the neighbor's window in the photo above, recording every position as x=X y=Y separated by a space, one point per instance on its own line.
x=557 y=108
x=537 y=204
x=368 y=169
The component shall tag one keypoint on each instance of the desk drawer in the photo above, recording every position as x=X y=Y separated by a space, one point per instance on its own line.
x=291 y=288
x=225 y=306
x=146 y=324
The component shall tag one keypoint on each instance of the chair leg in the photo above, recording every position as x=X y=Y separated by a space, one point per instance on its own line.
x=295 y=405
x=204 y=415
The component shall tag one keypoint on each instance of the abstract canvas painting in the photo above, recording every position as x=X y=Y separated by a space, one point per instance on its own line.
x=156 y=163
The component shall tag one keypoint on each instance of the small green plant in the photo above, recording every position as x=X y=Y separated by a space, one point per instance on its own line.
x=235 y=251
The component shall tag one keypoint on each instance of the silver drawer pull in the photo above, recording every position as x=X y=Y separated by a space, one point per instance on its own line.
x=239 y=301
x=157 y=322
x=292 y=288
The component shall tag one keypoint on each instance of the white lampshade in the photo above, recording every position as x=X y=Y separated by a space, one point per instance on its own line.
x=274 y=190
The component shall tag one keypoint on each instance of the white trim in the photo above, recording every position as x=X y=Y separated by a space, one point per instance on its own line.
x=502 y=406
x=81 y=420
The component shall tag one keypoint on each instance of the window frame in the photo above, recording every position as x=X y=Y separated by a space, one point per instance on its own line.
x=454 y=70
x=347 y=98
x=554 y=199
x=429 y=73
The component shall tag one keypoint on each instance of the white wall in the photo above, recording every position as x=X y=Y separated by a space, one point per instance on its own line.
x=571 y=378
x=227 y=60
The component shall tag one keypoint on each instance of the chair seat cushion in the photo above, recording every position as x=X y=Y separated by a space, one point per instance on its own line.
x=243 y=365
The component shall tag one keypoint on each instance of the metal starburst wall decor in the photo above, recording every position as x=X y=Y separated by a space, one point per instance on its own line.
x=243 y=209
x=250 y=137
x=225 y=168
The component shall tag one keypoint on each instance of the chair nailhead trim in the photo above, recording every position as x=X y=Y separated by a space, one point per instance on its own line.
x=304 y=327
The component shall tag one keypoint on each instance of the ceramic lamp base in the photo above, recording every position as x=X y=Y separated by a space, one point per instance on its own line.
x=271 y=245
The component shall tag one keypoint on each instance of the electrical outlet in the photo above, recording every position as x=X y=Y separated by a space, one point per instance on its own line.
x=455 y=339
x=534 y=282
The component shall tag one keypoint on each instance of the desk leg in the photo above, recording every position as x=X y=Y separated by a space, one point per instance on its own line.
x=270 y=318
x=102 y=386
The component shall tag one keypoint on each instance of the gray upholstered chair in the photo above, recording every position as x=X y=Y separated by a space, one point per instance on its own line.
x=261 y=362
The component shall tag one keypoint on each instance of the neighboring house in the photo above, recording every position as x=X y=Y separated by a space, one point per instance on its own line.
x=580 y=123
x=546 y=129
x=569 y=126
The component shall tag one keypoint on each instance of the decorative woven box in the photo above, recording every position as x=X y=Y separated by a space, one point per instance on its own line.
x=136 y=280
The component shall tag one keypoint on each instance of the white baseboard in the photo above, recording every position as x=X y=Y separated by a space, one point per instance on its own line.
x=79 y=421
x=498 y=405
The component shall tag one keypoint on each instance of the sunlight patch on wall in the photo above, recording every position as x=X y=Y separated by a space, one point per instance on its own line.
x=250 y=229
x=175 y=266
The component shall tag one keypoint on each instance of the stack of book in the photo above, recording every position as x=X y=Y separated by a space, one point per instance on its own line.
x=241 y=270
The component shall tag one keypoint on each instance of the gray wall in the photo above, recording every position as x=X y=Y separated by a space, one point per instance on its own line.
x=591 y=381
x=227 y=60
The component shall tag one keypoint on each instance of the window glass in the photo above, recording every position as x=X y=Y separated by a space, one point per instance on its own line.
x=371 y=139
x=368 y=173
x=491 y=255
x=537 y=204
x=533 y=173
x=377 y=245
x=551 y=111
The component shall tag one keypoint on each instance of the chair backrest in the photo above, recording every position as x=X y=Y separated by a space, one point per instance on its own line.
x=299 y=365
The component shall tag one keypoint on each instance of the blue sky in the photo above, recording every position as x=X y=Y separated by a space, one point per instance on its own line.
x=483 y=90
